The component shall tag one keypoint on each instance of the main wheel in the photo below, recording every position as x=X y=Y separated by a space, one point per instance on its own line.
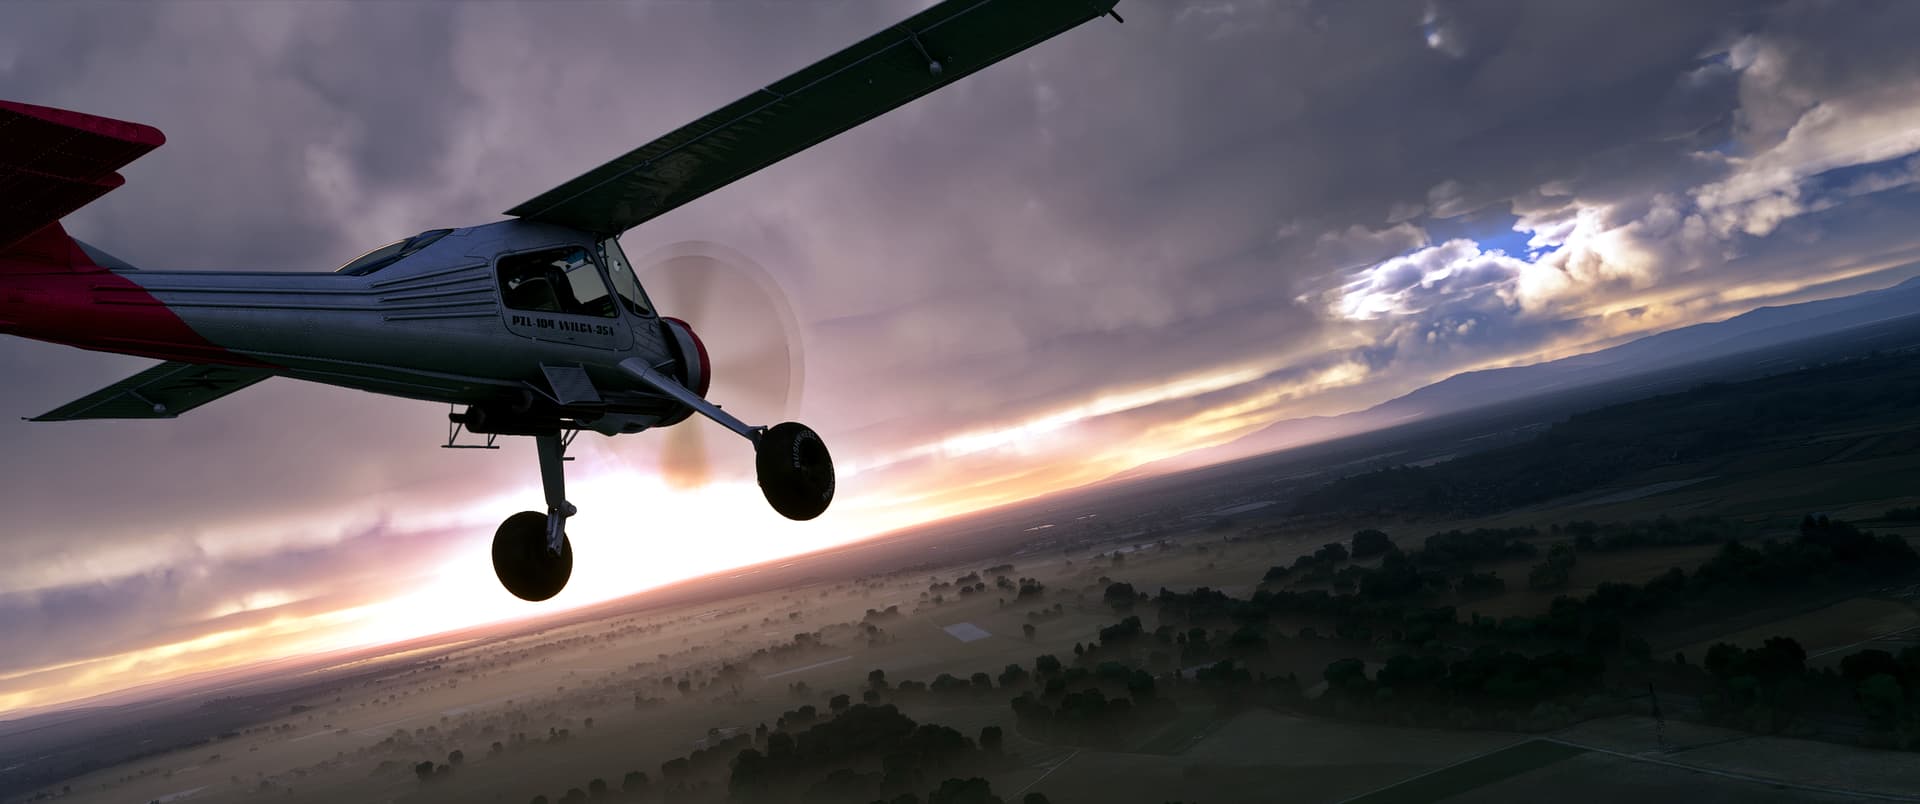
x=796 y=473
x=521 y=559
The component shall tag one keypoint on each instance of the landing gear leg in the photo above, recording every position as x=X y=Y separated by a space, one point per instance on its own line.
x=791 y=462
x=531 y=553
x=553 y=479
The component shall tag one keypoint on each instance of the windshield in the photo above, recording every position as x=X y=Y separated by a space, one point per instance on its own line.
x=374 y=259
x=625 y=284
x=391 y=253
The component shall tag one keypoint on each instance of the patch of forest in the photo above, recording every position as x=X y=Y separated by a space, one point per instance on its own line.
x=1405 y=657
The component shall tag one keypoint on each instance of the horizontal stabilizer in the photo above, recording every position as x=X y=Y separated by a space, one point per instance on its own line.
x=53 y=162
x=161 y=392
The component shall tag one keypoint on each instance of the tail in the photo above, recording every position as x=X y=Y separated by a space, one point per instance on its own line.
x=53 y=162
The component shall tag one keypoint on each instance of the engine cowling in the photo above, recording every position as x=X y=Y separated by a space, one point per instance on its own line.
x=695 y=368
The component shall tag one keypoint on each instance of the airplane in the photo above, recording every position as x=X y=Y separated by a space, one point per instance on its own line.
x=537 y=324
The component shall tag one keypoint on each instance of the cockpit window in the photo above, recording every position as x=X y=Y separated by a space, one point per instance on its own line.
x=556 y=280
x=373 y=260
x=625 y=284
x=391 y=253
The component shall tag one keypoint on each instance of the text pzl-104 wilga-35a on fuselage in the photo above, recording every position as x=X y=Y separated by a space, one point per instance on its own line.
x=537 y=325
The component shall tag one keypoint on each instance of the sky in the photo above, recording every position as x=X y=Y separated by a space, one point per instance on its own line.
x=1131 y=242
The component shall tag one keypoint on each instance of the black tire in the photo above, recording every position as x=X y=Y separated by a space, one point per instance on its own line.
x=795 y=470
x=521 y=560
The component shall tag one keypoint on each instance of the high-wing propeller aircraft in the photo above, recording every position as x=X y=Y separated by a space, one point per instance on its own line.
x=536 y=325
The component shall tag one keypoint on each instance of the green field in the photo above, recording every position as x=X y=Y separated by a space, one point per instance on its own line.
x=1477 y=772
x=1176 y=737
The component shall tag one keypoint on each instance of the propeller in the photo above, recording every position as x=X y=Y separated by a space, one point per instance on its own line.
x=752 y=338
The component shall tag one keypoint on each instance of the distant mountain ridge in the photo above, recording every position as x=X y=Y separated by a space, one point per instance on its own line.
x=1755 y=329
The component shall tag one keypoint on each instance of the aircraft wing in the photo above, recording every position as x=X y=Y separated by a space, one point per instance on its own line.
x=880 y=73
x=53 y=162
x=161 y=392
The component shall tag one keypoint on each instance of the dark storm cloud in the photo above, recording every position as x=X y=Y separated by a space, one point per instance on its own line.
x=1198 y=191
x=396 y=131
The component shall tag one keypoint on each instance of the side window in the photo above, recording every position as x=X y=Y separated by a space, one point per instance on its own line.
x=559 y=280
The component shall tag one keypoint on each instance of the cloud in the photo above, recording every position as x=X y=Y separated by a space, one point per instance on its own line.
x=1768 y=131
x=1455 y=274
x=198 y=594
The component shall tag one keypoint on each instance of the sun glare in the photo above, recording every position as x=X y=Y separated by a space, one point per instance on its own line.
x=1029 y=435
x=633 y=532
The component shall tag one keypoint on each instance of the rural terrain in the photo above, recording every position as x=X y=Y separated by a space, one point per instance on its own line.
x=1694 y=584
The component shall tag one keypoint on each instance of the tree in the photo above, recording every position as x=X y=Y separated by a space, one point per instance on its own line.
x=1858 y=667
x=1370 y=542
x=1882 y=698
x=839 y=703
x=1474 y=585
x=947 y=683
x=1781 y=657
x=990 y=739
x=424 y=770
x=964 y=791
x=1028 y=631
x=635 y=782
x=597 y=788
x=1396 y=577
x=1345 y=675
x=1046 y=665
x=1140 y=685
x=1014 y=675
x=1120 y=596
x=877 y=679
x=457 y=758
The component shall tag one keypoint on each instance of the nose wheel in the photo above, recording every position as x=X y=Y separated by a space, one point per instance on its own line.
x=790 y=460
x=795 y=470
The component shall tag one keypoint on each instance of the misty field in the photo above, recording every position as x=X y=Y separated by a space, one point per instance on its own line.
x=639 y=696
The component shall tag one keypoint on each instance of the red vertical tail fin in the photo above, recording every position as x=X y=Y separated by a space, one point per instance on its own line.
x=48 y=249
x=53 y=162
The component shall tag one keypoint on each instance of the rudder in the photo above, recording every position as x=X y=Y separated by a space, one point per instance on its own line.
x=52 y=162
